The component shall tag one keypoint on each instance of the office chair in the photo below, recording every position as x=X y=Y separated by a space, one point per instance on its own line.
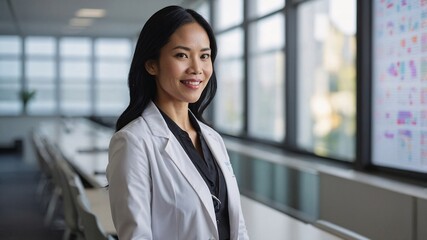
x=68 y=179
x=48 y=153
x=45 y=165
x=92 y=229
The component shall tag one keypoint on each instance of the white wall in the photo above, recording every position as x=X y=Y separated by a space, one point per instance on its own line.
x=14 y=128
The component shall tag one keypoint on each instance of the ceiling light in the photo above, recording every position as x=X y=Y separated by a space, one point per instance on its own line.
x=80 y=22
x=90 y=13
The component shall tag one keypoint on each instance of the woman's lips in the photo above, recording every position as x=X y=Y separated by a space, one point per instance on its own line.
x=191 y=83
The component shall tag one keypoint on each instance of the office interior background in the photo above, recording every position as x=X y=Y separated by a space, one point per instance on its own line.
x=322 y=103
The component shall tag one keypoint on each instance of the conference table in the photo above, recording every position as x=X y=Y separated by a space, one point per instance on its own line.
x=84 y=144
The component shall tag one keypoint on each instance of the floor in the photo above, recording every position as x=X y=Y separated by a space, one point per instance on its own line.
x=21 y=215
x=263 y=222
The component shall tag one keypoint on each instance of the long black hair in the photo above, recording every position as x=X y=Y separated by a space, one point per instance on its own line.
x=154 y=35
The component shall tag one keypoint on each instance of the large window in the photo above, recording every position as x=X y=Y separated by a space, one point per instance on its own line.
x=259 y=8
x=10 y=75
x=266 y=78
x=229 y=69
x=76 y=73
x=229 y=101
x=71 y=76
x=111 y=70
x=327 y=78
x=228 y=13
x=252 y=68
x=40 y=73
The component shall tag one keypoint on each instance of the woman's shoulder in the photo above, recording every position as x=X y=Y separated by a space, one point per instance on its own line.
x=136 y=127
x=137 y=123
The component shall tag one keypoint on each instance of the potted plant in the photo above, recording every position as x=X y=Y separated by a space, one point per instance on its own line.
x=26 y=96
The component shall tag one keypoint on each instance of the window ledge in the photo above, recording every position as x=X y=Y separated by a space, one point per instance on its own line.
x=317 y=165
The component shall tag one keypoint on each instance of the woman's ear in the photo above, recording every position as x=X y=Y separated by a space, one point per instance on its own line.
x=151 y=67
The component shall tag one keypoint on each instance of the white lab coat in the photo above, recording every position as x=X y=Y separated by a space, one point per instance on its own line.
x=155 y=190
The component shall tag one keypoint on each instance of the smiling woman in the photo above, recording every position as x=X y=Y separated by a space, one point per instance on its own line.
x=183 y=69
x=169 y=173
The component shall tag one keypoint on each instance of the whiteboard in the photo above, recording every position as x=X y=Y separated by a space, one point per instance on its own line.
x=399 y=84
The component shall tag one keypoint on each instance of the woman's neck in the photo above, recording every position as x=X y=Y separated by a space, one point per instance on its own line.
x=178 y=112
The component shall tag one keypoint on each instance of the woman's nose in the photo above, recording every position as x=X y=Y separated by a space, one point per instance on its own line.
x=195 y=67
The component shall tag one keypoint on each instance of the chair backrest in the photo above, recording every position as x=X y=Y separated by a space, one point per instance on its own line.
x=76 y=187
x=91 y=227
x=54 y=155
x=66 y=175
x=43 y=158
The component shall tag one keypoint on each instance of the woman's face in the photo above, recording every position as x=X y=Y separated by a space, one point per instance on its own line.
x=184 y=66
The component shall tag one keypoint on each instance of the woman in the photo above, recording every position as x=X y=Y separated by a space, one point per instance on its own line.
x=169 y=174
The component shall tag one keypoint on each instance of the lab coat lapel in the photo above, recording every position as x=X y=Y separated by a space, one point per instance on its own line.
x=180 y=158
x=189 y=171
x=233 y=197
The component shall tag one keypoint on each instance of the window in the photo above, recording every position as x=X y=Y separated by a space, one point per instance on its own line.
x=250 y=71
x=40 y=73
x=266 y=78
x=259 y=8
x=228 y=13
x=75 y=73
x=204 y=10
x=111 y=71
x=326 y=78
x=71 y=76
x=229 y=69
x=10 y=75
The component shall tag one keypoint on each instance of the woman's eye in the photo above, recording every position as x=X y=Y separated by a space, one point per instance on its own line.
x=206 y=56
x=181 y=55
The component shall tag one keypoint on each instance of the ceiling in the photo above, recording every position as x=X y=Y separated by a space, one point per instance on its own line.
x=123 y=18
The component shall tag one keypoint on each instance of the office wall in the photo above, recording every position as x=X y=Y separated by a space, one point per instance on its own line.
x=373 y=207
x=421 y=218
x=15 y=128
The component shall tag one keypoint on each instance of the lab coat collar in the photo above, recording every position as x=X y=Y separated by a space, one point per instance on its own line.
x=159 y=128
x=155 y=121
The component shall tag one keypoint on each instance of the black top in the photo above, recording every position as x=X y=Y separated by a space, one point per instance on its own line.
x=208 y=169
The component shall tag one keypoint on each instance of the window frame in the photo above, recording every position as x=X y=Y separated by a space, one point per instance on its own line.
x=363 y=88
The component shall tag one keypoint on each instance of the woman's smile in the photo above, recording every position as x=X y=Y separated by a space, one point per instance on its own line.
x=191 y=83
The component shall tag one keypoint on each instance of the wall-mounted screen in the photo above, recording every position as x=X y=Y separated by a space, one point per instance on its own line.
x=399 y=84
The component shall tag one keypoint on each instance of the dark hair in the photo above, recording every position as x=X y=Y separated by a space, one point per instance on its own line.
x=154 y=35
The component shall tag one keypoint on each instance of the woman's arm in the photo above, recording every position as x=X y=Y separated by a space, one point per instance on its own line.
x=128 y=174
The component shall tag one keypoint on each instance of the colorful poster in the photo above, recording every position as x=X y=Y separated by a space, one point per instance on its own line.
x=399 y=83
